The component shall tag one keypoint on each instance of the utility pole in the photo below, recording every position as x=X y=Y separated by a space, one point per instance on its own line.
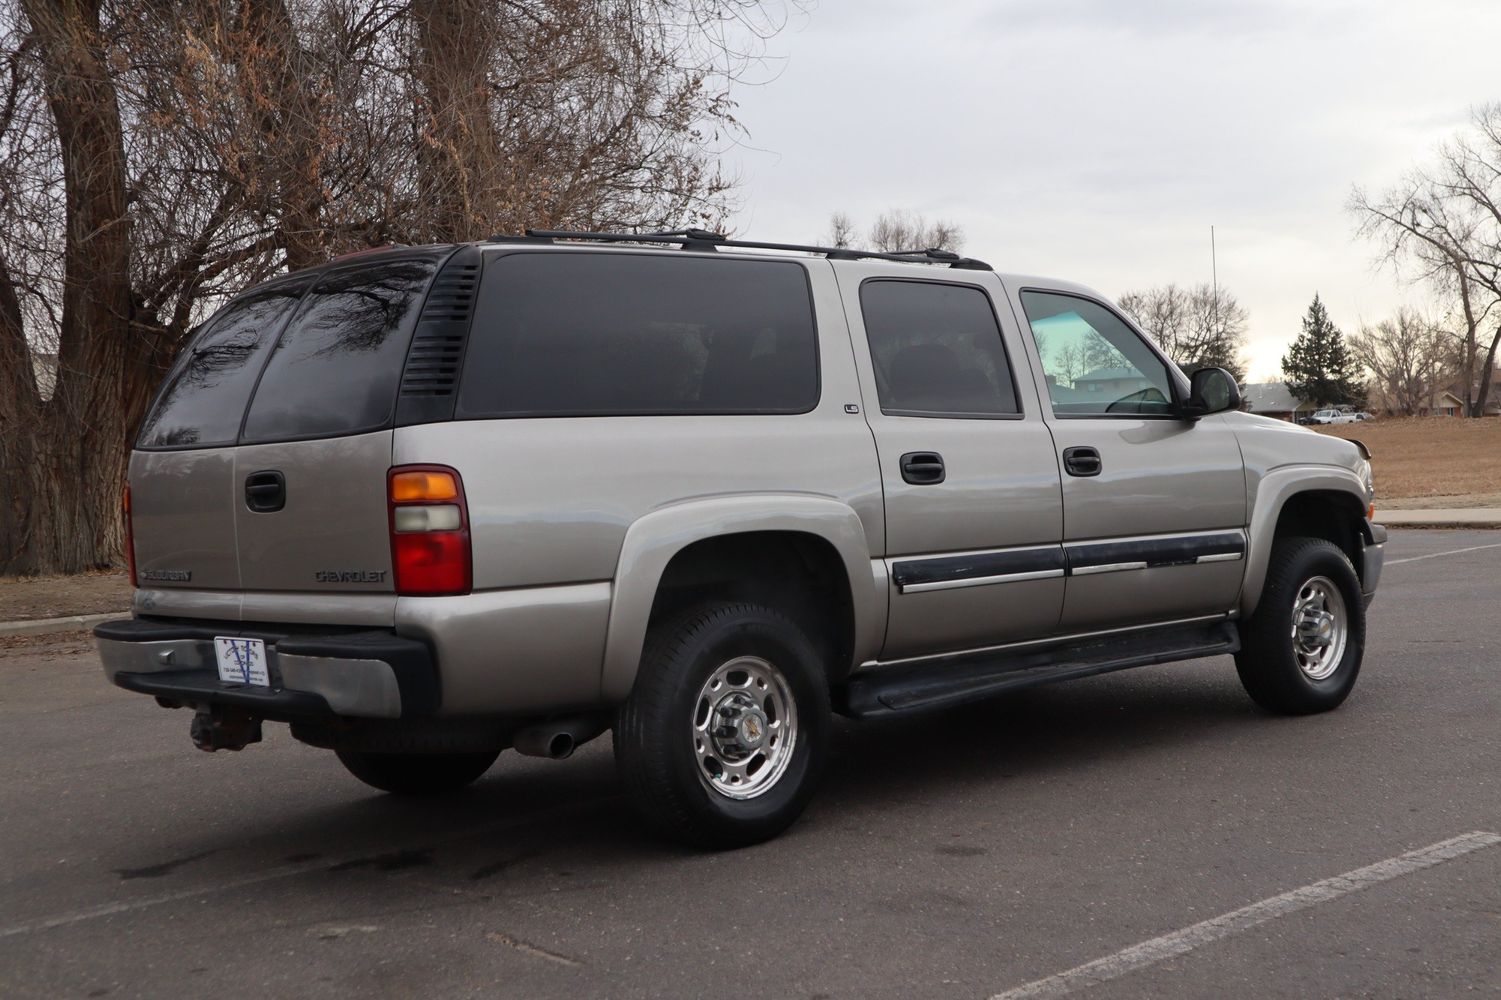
x=1214 y=269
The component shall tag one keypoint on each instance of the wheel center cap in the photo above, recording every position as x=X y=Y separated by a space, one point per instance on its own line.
x=1317 y=628
x=752 y=729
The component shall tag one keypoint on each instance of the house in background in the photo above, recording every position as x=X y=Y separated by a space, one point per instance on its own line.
x=1273 y=399
x=1443 y=404
x=1118 y=383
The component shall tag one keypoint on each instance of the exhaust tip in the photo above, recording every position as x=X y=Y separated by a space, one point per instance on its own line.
x=560 y=747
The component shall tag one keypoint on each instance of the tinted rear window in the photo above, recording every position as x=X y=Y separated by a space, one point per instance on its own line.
x=203 y=399
x=583 y=334
x=337 y=366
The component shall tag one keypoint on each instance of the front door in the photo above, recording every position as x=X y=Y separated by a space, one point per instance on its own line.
x=973 y=511
x=1154 y=506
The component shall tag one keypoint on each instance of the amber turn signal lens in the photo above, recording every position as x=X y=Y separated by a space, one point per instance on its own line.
x=418 y=487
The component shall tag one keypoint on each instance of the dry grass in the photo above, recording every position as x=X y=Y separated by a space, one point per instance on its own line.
x=1423 y=458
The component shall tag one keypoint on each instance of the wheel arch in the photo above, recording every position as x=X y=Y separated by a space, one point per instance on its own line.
x=737 y=547
x=1317 y=502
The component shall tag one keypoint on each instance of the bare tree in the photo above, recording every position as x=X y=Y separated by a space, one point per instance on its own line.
x=896 y=230
x=1406 y=357
x=1441 y=225
x=841 y=230
x=1197 y=327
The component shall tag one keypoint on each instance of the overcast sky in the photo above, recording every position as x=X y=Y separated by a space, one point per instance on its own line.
x=1098 y=140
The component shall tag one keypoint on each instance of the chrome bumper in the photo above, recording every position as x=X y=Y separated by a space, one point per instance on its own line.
x=353 y=675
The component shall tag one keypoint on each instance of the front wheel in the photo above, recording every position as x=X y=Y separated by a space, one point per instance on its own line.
x=1301 y=651
x=417 y=773
x=724 y=735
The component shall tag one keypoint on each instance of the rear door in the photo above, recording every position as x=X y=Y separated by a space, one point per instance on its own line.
x=182 y=471
x=1154 y=506
x=309 y=477
x=973 y=513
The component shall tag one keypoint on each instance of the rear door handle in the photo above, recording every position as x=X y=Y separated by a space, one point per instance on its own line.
x=266 y=492
x=923 y=468
x=1082 y=461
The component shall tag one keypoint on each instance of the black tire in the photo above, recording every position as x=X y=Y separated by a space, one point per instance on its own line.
x=1268 y=662
x=417 y=773
x=656 y=744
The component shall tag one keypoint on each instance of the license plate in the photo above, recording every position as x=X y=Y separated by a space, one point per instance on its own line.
x=242 y=661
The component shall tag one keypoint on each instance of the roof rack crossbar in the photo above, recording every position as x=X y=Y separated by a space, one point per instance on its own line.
x=699 y=239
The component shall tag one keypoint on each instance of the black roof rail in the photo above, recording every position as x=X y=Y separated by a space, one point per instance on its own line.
x=703 y=240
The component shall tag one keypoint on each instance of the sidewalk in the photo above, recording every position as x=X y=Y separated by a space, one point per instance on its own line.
x=39 y=626
x=1471 y=517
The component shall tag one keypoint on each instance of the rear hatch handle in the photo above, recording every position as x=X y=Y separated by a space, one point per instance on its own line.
x=266 y=491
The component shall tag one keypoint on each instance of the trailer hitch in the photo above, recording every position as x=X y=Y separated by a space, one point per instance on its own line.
x=224 y=729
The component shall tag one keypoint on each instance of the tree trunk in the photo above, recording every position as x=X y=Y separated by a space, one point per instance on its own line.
x=65 y=463
x=275 y=68
x=458 y=156
x=1478 y=407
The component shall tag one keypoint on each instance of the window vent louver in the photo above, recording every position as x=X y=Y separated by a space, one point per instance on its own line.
x=437 y=348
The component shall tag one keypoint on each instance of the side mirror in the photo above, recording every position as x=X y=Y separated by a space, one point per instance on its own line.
x=1211 y=390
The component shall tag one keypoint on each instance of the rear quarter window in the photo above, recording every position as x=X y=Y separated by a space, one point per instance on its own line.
x=336 y=369
x=203 y=399
x=593 y=334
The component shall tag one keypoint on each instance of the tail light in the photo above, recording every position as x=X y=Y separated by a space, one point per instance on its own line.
x=429 y=531
x=130 y=535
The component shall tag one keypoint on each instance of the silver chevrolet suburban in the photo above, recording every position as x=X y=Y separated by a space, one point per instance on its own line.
x=427 y=504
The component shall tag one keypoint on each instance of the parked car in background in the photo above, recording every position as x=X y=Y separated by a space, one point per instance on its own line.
x=1332 y=416
x=431 y=503
x=1363 y=415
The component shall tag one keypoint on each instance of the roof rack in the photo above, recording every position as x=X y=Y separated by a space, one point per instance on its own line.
x=705 y=241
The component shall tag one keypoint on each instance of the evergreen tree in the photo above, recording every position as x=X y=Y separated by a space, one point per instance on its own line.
x=1319 y=367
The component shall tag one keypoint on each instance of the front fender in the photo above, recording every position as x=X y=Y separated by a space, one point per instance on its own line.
x=652 y=541
x=1271 y=494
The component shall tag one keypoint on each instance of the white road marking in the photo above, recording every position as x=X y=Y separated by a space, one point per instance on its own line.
x=1159 y=949
x=1435 y=555
x=109 y=909
x=281 y=872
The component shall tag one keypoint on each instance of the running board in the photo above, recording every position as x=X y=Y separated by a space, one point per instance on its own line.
x=955 y=680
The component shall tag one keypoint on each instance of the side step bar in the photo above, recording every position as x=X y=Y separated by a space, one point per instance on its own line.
x=949 y=681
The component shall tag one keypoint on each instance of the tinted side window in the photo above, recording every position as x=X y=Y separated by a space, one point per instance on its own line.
x=937 y=350
x=587 y=334
x=1095 y=363
x=204 y=397
x=336 y=368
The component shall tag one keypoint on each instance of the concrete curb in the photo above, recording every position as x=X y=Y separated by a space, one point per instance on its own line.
x=39 y=626
x=1475 y=517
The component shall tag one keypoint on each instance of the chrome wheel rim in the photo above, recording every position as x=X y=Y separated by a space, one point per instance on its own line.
x=1320 y=628
x=744 y=728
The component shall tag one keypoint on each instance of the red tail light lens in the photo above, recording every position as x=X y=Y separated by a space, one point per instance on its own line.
x=429 y=521
x=130 y=536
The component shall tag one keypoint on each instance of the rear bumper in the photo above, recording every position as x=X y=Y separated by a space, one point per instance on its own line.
x=1373 y=557
x=315 y=674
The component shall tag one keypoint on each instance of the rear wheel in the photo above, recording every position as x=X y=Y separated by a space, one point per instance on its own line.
x=1301 y=651
x=417 y=773
x=724 y=735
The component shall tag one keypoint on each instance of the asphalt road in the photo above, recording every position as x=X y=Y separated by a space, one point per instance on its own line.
x=960 y=855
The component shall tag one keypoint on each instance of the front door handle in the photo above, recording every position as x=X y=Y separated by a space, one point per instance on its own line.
x=266 y=492
x=923 y=468
x=1082 y=461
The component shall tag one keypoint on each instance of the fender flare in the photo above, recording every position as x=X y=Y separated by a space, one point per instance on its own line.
x=652 y=540
x=1272 y=493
